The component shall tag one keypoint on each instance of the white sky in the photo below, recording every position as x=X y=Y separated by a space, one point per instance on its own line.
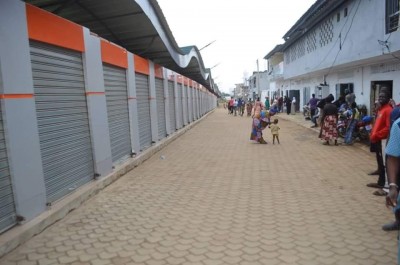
x=244 y=32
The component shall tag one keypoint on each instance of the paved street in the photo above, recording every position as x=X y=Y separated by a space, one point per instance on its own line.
x=213 y=197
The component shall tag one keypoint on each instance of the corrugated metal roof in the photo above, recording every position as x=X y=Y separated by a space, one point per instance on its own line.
x=137 y=25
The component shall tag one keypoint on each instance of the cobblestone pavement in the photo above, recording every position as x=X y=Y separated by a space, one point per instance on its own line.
x=213 y=197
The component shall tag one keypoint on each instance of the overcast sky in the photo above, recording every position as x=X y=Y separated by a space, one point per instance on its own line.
x=244 y=31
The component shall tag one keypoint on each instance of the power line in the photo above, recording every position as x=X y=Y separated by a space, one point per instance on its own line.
x=345 y=37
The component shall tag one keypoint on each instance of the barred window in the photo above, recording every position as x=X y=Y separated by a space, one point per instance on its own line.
x=392 y=15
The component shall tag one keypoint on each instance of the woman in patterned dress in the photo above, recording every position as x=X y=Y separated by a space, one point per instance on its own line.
x=329 y=122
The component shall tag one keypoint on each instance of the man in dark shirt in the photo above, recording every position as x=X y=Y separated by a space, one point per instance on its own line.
x=313 y=107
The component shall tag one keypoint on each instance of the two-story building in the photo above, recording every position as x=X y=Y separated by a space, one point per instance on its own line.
x=339 y=45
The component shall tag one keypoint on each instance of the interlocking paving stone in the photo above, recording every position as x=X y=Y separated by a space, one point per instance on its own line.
x=217 y=198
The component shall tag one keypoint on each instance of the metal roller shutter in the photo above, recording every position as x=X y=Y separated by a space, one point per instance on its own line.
x=8 y=216
x=185 y=106
x=62 y=119
x=171 y=106
x=143 y=103
x=190 y=104
x=180 y=113
x=162 y=128
x=117 y=112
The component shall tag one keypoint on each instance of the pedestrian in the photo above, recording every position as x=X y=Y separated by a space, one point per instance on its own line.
x=394 y=117
x=293 y=107
x=230 y=106
x=275 y=131
x=249 y=108
x=280 y=104
x=312 y=103
x=329 y=122
x=393 y=171
x=288 y=104
x=257 y=108
x=355 y=117
x=235 y=106
x=380 y=132
x=267 y=103
x=259 y=123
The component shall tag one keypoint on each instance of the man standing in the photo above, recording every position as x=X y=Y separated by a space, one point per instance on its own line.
x=380 y=131
x=313 y=107
x=393 y=170
x=267 y=105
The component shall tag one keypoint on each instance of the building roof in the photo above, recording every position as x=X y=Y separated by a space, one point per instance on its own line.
x=278 y=48
x=137 y=25
x=314 y=15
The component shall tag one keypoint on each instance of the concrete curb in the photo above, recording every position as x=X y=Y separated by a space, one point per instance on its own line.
x=19 y=234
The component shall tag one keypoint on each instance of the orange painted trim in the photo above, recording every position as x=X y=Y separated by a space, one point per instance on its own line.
x=15 y=96
x=49 y=28
x=141 y=65
x=113 y=54
x=94 y=93
x=158 y=70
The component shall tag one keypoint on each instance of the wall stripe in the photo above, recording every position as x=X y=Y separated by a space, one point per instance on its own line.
x=15 y=96
x=46 y=27
x=113 y=54
x=141 y=65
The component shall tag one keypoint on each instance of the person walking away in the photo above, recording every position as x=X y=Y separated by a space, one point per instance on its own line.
x=267 y=103
x=380 y=131
x=235 y=106
x=355 y=117
x=230 y=107
x=249 y=108
x=288 y=104
x=275 y=131
x=393 y=171
x=313 y=107
x=293 y=107
x=258 y=124
x=329 y=121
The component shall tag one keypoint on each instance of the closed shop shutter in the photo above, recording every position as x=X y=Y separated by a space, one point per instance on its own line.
x=196 y=115
x=7 y=205
x=180 y=114
x=162 y=129
x=63 y=123
x=185 y=112
x=171 y=96
x=143 y=103
x=117 y=112
x=190 y=104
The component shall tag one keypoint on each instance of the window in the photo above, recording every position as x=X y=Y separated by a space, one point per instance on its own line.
x=345 y=12
x=392 y=15
x=338 y=17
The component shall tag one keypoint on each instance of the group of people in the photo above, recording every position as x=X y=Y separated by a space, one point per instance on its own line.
x=326 y=111
x=236 y=106
x=384 y=141
x=261 y=119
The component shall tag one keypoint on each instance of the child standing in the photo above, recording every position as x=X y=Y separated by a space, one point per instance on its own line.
x=275 y=131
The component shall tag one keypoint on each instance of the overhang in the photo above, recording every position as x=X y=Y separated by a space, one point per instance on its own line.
x=137 y=25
